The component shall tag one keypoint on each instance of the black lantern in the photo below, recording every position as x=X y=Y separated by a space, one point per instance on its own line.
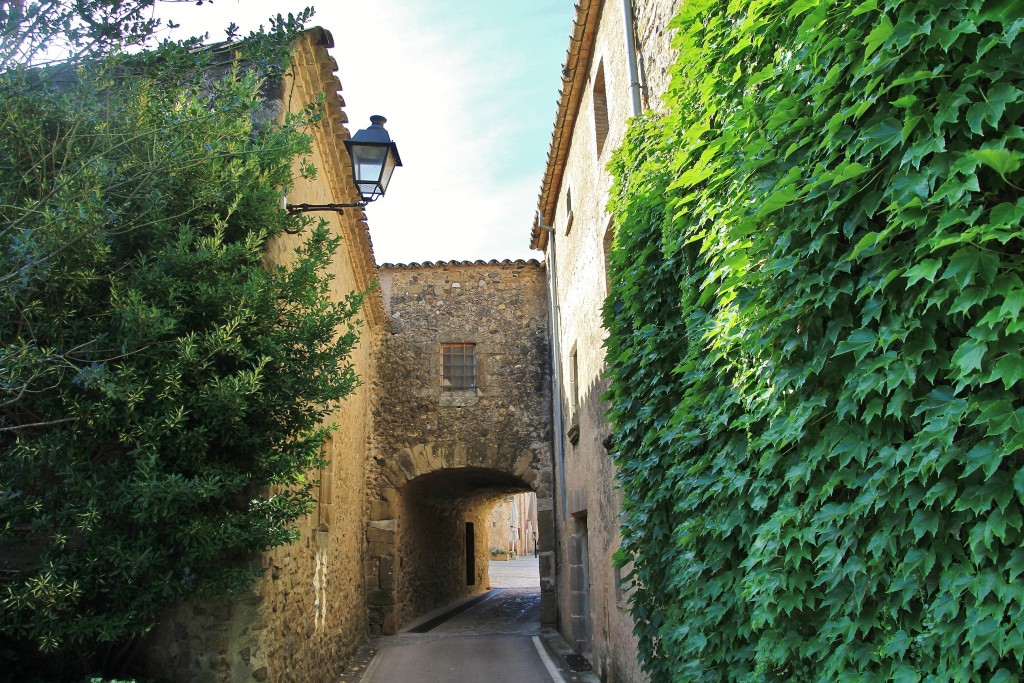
x=374 y=158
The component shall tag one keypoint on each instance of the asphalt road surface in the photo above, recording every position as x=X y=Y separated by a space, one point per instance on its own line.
x=495 y=640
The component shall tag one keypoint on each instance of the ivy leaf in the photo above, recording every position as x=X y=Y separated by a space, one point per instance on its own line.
x=1003 y=11
x=925 y=270
x=968 y=263
x=884 y=135
x=866 y=242
x=983 y=455
x=1009 y=369
x=778 y=199
x=1003 y=161
x=968 y=356
x=905 y=674
x=992 y=108
x=865 y=7
x=878 y=36
x=860 y=342
x=849 y=171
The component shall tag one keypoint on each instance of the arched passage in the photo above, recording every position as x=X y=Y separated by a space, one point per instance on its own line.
x=438 y=513
x=429 y=546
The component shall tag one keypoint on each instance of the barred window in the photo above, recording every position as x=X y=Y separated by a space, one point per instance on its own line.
x=458 y=367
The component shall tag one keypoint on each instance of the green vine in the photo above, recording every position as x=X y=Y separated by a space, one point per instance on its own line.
x=815 y=345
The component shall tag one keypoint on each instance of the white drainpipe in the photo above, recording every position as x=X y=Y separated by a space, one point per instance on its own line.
x=634 y=78
x=556 y=365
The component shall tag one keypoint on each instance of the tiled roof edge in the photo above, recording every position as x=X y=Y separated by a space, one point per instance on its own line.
x=574 y=77
x=478 y=262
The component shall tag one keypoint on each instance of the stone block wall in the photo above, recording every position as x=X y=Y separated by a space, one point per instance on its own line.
x=442 y=456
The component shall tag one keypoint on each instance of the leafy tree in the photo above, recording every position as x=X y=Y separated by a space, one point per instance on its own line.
x=163 y=387
x=71 y=29
x=815 y=345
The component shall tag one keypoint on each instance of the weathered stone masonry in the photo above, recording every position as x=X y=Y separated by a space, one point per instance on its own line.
x=443 y=457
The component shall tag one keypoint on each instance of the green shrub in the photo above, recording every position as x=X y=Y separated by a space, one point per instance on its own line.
x=162 y=386
x=815 y=345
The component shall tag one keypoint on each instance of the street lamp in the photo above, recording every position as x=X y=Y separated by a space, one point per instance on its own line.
x=374 y=158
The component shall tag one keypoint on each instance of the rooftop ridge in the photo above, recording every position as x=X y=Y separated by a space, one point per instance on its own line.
x=477 y=262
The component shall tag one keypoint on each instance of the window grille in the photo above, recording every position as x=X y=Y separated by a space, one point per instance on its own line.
x=458 y=367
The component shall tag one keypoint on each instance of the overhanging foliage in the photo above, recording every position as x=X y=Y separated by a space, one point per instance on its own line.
x=815 y=345
x=162 y=386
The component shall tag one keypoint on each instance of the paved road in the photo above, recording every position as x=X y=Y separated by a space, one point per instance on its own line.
x=496 y=640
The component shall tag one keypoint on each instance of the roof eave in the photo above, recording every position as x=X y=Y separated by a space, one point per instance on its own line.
x=570 y=97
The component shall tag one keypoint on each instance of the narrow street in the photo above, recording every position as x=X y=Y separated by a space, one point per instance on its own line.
x=495 y=637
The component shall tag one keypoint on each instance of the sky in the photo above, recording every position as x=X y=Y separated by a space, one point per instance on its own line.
x=470 y=91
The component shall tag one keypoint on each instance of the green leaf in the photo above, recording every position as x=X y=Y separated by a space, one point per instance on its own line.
x=1009 y=369
x=860 y=343
x=884 y=135
x=1003 y=11
x=1007 y=213
x=992 y=108
x=1003 y=161
x=866 y=242
x=780 y=198
x=925 y=270
x=848 y=171
x=969 y=264
x=905 y=674
x=878 y=35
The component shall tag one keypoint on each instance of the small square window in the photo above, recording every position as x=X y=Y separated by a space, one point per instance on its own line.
x=458 y=367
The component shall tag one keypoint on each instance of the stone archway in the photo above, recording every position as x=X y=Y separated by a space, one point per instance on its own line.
x=463 y=418
x=416 y=540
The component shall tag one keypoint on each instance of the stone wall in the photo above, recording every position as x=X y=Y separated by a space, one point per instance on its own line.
x=444 y=456
x=307 y=612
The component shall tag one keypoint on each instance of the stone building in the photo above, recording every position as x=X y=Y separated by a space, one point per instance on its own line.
x=307 y=613
x=461 y=422
x=616 y=67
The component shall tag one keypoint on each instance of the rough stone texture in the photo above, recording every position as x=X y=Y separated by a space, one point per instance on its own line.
x=444 y=458
x=576 y=167
x=307 y=613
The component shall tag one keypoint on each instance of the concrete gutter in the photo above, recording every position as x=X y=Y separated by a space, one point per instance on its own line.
x=559 y=649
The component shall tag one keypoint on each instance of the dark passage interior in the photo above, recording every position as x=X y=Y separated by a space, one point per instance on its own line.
x=442 y=544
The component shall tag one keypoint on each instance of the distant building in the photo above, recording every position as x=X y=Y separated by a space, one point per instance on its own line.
x=616 y=67
x=513 y=525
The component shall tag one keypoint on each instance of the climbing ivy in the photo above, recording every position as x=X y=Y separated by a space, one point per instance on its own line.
x=815 y=345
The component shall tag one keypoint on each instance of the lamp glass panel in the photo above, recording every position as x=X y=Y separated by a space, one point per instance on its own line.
x=368 y=161
x=389 y=168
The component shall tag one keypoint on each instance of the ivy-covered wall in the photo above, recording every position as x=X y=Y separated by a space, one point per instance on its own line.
x=815 y=345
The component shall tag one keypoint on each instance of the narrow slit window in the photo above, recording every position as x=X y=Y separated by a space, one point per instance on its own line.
x=600 y=109
x=458 y=367
x=326 y=494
